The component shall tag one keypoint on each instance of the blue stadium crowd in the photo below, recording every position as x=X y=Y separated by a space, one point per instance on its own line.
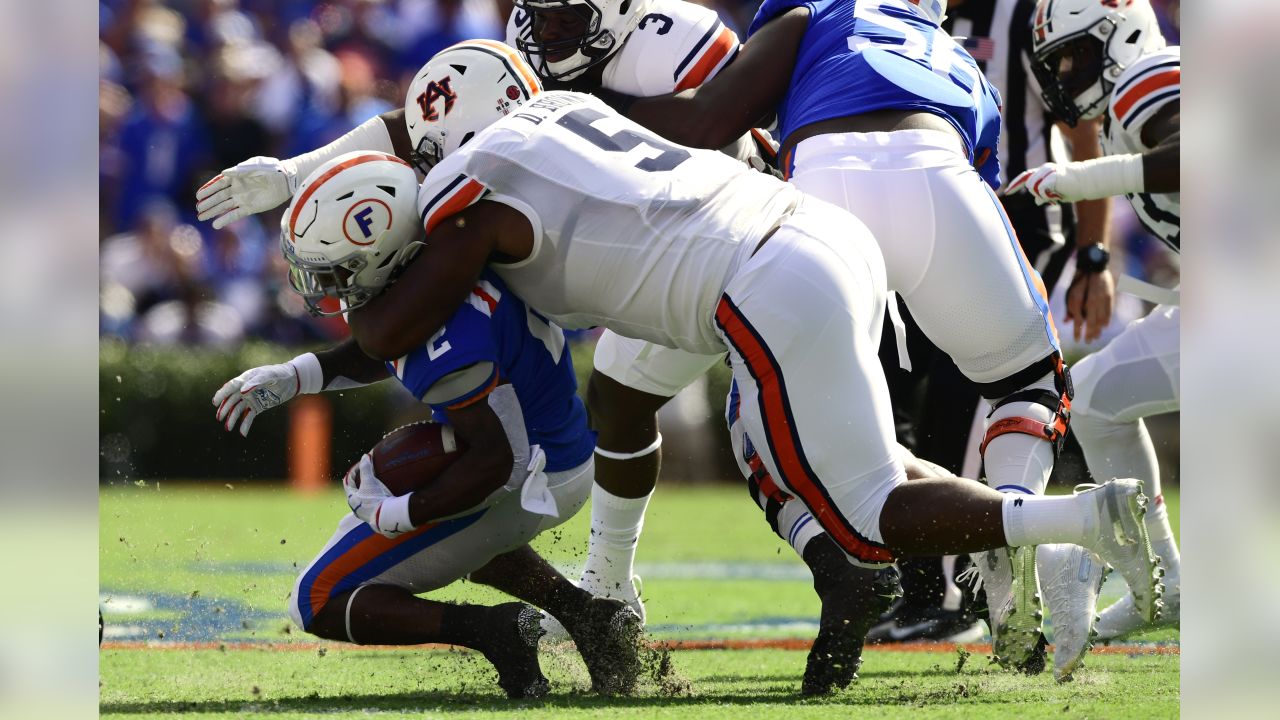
x=188 y=87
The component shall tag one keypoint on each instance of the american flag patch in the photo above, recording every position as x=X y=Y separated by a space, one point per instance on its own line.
x=981 y=48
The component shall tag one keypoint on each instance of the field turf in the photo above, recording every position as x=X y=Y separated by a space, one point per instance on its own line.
x=194 y=581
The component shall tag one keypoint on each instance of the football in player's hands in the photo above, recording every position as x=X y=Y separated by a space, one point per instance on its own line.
x=413 y=455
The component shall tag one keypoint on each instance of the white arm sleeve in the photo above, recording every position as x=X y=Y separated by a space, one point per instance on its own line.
x=506 y=406
x=371 y=134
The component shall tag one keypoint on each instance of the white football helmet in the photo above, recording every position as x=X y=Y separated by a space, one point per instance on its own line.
x=351 y=225
x=590 y=31
x=462 y=90
x=1082 y=46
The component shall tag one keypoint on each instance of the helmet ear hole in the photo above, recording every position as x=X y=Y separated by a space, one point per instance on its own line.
x=467 y=138
x=1133 y=38
x=624 y=7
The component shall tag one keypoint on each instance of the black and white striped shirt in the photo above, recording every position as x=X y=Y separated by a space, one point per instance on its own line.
x=998 y=35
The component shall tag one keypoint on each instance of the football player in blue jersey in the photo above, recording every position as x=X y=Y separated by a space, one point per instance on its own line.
x=881 y=112
x=501 y=378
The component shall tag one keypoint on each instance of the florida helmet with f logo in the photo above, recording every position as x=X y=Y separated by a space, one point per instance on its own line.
x=349 y=229
x=464 y=89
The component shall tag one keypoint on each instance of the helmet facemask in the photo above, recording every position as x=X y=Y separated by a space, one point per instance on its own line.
x=1071 y=77
x=352 y=280
x=428 y=153
x=588 y=35
x=1082 y=47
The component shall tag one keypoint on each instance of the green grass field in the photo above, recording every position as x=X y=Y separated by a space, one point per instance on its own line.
x=195 y=579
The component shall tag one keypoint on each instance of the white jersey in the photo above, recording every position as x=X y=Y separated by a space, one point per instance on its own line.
x=631 y=232
x=677 y=46
x=1141 y=91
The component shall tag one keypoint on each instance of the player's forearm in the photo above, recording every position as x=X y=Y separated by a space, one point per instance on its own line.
x=430 y=288
x=1161 y=167
x=464 y=485
x=489 y=429
x=374 y=134
x=1093 y=223
x=1093 y=217
x=691 y=118
x=738 y=98
x=346 y=366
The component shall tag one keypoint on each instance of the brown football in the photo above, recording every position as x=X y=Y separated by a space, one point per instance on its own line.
x=412 y=455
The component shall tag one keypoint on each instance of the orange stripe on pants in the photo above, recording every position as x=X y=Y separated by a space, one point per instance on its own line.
x=783 y=440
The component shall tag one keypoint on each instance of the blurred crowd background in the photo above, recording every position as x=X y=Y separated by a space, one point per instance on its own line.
x=188 y=87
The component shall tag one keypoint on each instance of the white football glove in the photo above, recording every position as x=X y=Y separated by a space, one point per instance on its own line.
x=255 y=185
x=262 y=388
x=373 y=503
x=1047 y=184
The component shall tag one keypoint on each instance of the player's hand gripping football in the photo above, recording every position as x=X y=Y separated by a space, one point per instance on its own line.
x=254 y=392
x=255 y=185
x=372 y=501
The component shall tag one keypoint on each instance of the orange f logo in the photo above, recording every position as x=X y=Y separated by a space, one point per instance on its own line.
x=435 y=91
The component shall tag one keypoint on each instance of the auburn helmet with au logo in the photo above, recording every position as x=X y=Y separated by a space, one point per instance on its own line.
x=461 y=91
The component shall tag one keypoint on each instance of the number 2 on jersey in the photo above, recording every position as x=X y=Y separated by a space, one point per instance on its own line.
x=581 y=123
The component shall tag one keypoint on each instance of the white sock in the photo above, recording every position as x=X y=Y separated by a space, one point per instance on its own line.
x=1038 y=519
x=797 y=525
x=1016 y=462
x=615 y=531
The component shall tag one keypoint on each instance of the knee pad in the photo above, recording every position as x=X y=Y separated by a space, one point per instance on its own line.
x=1057 y=401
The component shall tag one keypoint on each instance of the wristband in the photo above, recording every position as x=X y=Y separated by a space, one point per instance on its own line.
x=310 y=374
x=393 y=515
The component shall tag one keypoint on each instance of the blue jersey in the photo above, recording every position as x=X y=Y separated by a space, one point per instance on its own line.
x=494 y=326
x=858 y=56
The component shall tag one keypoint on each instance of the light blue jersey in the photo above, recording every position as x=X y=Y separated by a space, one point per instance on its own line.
x=525 y=349
x=859 y=56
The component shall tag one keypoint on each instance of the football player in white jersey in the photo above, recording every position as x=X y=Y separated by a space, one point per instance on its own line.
x=1108 y=59
x=881 y=112
x=595 y=221
x=637 y=47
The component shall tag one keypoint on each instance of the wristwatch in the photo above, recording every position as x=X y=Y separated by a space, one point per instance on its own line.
x=1092 y=258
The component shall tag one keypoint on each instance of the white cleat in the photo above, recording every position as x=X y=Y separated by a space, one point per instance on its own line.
x=628 y=593
x=1122 y=618
x=1121 y=540
x=1070 y=578
x=1013 y=601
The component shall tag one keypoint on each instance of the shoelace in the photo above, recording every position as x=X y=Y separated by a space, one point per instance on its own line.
x=971 y=576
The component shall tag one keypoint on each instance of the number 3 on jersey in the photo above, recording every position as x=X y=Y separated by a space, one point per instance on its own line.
x=581 y=122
